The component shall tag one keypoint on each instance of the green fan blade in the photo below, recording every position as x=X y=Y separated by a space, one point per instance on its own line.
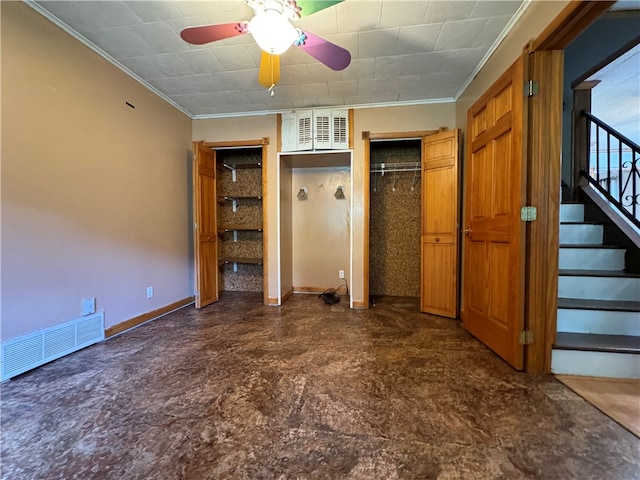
x=312 y=6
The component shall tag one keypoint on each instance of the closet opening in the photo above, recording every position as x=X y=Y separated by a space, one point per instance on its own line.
x=240 y=220
x=315 y=241
x=395 y=219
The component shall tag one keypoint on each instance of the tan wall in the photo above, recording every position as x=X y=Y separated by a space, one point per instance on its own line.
x=287 y=199
x=320 y=228
x=95 y=194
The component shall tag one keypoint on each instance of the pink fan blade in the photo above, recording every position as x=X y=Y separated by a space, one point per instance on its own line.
x=333 y=56
x=212 y=33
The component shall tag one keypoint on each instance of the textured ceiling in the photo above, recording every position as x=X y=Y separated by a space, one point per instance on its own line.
x=402 y=52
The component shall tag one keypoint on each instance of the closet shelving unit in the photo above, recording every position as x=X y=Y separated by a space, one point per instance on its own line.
x=238 y=228
x=237 y=199
x=236 y=223
x=234 y=167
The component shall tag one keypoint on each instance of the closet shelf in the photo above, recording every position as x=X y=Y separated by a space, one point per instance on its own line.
x=395 y=167
x=238 y=197
x=246 y=260
x=238 y=228
x=239 y=166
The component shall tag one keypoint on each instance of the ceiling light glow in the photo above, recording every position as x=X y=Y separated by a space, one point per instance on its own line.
x=272 y=31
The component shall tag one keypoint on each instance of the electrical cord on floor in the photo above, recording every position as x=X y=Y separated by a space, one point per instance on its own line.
x=330 y=295
x=344 y=284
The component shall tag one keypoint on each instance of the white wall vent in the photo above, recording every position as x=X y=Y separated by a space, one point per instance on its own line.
x=319 y=129
x=29 y=351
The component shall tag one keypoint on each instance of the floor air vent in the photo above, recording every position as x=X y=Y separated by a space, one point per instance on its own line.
x=34 y=349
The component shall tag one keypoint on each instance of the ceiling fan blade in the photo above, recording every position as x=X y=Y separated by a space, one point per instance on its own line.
x=307 y=7
x=333 y=56
x=269 y=73
x=212 y=33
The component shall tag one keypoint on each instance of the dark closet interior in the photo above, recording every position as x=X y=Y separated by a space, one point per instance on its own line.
x=394 y=231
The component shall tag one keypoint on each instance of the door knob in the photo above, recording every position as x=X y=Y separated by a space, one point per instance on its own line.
x=467 y=231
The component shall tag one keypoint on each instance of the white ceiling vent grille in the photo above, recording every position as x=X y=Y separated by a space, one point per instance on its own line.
x=322 y=129
x=340 y=130
x=305 y=136
x=32 y=350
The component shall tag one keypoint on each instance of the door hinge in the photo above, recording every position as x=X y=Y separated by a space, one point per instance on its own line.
x=526 y=337
x=528 y=213
x=531 y=88
x=195 y=226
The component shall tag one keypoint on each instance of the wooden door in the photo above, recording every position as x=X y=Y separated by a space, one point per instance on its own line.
x=494 y=240
x=205 y=225
x=439 y=231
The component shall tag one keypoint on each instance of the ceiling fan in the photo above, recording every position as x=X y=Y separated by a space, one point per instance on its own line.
x=274 y=33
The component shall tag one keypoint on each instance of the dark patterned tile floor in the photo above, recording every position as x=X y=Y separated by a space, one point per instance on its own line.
x=238 y=390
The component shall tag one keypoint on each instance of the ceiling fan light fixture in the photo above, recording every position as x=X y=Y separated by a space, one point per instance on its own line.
x=272 y=31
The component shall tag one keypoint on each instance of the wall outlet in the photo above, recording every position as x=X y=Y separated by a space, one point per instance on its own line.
x=149 y=292
x=340 y=273
x=88 y=306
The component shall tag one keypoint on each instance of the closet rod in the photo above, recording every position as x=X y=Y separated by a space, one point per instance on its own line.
x=395 y=167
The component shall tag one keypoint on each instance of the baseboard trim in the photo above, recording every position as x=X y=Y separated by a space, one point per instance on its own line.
x=287 y=295
x=308 y=290
x=360 y=304
x=273 y=301
x=145 y=317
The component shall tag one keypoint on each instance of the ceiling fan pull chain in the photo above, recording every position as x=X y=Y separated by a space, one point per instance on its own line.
x=272 y=76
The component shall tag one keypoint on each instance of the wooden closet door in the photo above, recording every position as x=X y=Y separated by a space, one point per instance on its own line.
x=439 y=231
x=205 y=225
x=494 y=241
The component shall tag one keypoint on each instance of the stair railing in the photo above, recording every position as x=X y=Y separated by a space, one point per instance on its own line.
x=614 y=162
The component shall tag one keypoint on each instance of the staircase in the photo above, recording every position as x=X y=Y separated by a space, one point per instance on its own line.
x=598 y=331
